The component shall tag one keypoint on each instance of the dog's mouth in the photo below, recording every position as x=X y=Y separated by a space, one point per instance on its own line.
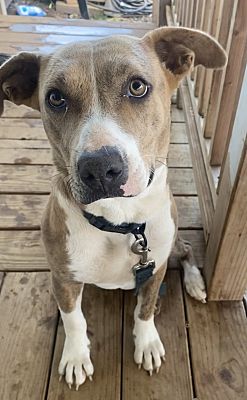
x=84 y=195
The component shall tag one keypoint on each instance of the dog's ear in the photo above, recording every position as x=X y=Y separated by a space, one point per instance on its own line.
x=179 y=49
x=19 y=77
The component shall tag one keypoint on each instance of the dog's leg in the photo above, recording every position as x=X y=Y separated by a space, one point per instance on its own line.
x=193 y=279
x=75 y=359
x=149 y=350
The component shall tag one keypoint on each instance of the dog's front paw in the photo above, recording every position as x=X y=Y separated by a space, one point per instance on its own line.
x=149 y=350
x=194 y=283
x=75 y=361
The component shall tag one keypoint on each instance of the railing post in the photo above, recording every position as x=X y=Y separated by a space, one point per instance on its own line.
x=226 y=255
x=232 y=85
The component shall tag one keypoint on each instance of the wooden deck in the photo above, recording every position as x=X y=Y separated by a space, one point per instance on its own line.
x=206 y=345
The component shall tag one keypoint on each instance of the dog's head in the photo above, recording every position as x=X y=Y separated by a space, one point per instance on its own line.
x=105 y=104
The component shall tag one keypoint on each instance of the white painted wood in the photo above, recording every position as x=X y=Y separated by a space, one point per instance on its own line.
x=239 y=131
x=3 y=7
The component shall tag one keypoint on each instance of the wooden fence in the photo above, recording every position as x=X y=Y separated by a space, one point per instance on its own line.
x=215 y=104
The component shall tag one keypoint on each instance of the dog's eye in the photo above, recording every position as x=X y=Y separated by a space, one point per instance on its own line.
x=138 y=88
x=56 y=99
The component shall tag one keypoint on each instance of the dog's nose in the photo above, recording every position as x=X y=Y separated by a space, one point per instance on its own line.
x=104 y=169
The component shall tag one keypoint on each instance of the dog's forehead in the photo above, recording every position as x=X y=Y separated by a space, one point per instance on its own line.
x=113 y=55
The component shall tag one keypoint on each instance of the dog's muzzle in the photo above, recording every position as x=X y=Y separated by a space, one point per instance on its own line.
x=102 y=173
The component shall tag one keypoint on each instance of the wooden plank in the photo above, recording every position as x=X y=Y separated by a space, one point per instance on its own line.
x=13 y=19
x=189 y=214
x=40 y=40
x=13 y=111
x=206 y=27
x=232 y=86
x=22 y=251
x=28 y=324
x=26 y=156
x=3 y=7
x=178 y=133
x=155 y=12
x=25 y=211
x=207 y=84
x=179 y=154
x=2 y=275
x=227 y=190
x=21 y=211
x=32 y=129
x=218 y=334
x=181 y=181
x=25 y=144
x=55 y=29
x=103 y=312
x=177 y=115
x=29 y=178
x=20 y=128
x=199 y=13
x=225 y=36
x=171 y=325
x=229 y=279
x=201 y=176
x=37 y=179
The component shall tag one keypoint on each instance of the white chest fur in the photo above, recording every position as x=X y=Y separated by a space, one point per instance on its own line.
x=106 y=259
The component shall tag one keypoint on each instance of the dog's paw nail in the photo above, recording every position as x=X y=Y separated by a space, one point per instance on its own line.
x=77 y=387
x=69 y=385
x=164 y=358
x=204 y=301
x=139 y=366
x=60 y=378
x=90 y=378
x=150 y=372
x=157 y=370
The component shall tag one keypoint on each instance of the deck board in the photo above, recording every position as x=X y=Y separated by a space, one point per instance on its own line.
x=37 y=179
x=22 y=250
x=27 y=331
x=28 y=128
x=218 y=339
x=24 y=211
x=103 y=312
x=171 y=325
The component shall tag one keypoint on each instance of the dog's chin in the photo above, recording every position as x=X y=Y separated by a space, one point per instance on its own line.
x=90 y=198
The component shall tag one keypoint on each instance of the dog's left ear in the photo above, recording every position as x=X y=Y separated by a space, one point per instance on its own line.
x=181 y=48
x=19 y=77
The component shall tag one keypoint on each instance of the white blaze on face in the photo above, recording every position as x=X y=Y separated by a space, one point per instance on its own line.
x=102 y=131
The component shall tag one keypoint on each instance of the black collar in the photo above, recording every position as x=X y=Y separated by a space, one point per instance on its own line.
x=101 y=223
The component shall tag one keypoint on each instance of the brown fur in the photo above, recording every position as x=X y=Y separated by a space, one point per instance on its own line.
x=149 y=294
x=54 y=234
x=183 y=250
x=66 y=294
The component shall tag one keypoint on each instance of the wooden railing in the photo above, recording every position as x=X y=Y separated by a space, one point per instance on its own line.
x=215 y=105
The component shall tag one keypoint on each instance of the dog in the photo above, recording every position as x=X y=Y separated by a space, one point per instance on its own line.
x=105 y=106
